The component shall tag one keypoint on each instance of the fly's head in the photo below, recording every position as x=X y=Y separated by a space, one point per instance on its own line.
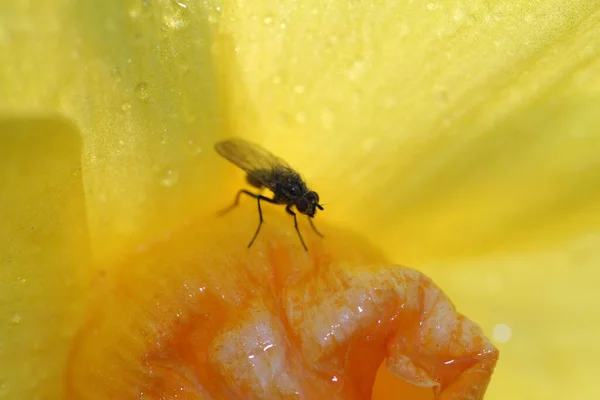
x=308 y=203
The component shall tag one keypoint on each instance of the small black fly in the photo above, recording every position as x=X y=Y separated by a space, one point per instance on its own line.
x=265 y=170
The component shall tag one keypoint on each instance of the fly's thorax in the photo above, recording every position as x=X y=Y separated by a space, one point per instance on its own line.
x=287 y=185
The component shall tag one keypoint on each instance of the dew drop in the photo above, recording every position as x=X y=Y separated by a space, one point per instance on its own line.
x=267 y=347
x=356 y=70
x=268 y=20
x=116 y=74
x=299 y=89
x=194 y=147
x=327 y=119
x=368 y=144
x=134 y=13
x=126 y=106
x=458 y=14
x=501 y=333
x=441 y=94
x=169 y=177
x=180 y=3
x=142 y=91
x=403 y=30
x=141 y=10
x=176 y=20
x=301 y=117
x=15 y=319
x=184 y=68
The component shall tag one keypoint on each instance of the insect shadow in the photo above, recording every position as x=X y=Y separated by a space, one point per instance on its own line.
x=265 y=170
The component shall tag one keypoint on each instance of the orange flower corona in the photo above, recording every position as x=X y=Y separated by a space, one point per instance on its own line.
x=197 y=315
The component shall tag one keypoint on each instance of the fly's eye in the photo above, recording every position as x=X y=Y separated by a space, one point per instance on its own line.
x=302 y=204
x=312 y=197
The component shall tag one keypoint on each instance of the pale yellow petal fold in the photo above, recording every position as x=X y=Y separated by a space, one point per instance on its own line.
x=44 y=254
x=137 y=79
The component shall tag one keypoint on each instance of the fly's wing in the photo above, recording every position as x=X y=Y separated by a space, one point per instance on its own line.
x=252 y=158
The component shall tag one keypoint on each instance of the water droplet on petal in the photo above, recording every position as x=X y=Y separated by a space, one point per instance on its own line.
x=301 y=117
x=356 y=70
x=268 y=20
x=176 y=20
x=4 y=390
x=180 y=3
x=169 y=177
x=327 y=119
x=134 y=13
x=126 y=106
x=501 y=333
x=15 y=319
x=368 y=143
x=140 y=10
x=116 y=74
x=142 y=91
x=194 y=148
x=458 y=14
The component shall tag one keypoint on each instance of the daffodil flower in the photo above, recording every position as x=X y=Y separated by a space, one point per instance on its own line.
x=458 y=138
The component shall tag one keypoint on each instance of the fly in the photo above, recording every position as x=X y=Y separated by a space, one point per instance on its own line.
x=265 y=170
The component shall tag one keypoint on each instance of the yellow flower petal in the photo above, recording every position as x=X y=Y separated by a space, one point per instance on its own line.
x=437 y=129
x=44 y=254
x=426 y=128
x=138 y=80
x=541 y=310
x=447 y=131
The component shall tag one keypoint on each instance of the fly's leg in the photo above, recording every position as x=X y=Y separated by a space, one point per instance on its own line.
x=236 y=202
x=293 y=214
x=314 y=227
x=258 y=197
